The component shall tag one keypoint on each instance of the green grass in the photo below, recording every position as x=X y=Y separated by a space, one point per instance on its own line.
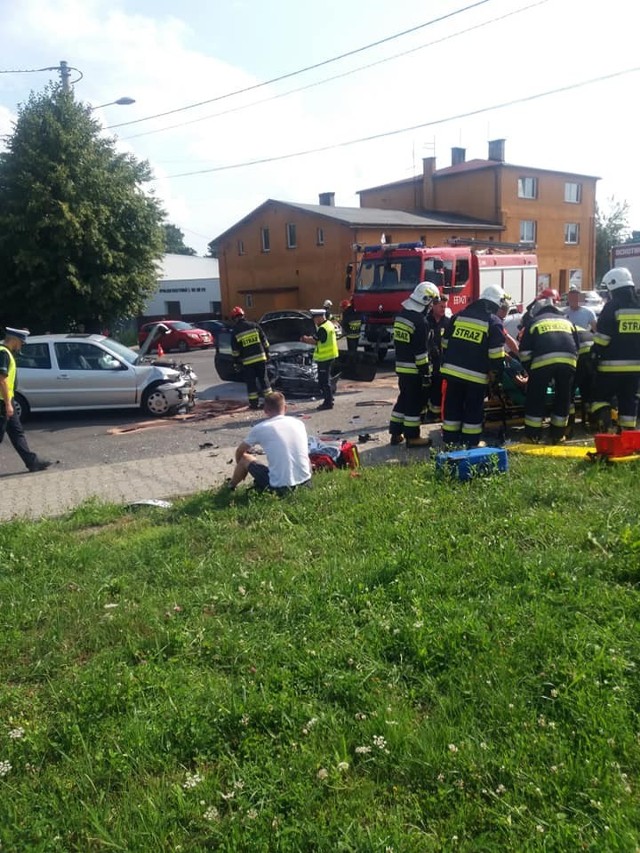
x=389 y=662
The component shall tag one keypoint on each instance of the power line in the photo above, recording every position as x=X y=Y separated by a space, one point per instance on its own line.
x=337 y=76
x=479 y=111
x=303 y=70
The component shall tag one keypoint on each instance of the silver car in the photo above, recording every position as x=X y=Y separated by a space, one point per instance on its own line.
x=78 y=371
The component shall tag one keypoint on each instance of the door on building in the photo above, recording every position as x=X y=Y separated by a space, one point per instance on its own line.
x=172 y=310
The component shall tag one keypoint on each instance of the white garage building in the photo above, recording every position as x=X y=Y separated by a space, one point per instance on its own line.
x=188 y=289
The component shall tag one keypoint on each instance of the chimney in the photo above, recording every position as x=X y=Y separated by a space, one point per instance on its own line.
x=457 y=156
x=428 y=168
x=327 y=199
x=496 y=150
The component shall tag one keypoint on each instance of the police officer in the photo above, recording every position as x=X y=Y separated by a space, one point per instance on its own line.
x=325 y=353
x=438 y=319
x=9 y=417
x=473 y=352
x=616 y=347
x=549 y=350
x=351 y=323
x=250 y=347
x=412 y=362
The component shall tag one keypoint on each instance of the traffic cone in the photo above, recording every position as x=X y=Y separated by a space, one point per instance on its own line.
x=160 y=351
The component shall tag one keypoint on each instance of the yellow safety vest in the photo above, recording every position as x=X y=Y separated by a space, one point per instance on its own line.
x=327 y=350
x=11 y=375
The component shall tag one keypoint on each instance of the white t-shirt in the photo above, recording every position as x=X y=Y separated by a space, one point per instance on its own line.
x=582 y=316
x=284 y=440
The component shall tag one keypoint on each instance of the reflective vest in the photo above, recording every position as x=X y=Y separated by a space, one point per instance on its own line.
x=326 y=350
x=351 y=323
x=11 y=375
x=550 y=339
x=410 y=342
x=617 y=337
x=473 y=345
x=248 y=343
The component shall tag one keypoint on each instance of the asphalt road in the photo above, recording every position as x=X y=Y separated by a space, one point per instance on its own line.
x=83 y=439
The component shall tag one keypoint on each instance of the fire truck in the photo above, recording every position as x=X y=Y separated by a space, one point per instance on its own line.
x=387 y=273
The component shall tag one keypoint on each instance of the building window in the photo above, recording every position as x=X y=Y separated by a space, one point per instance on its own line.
x=291 y=236
x=572 y=233
x=527 y=231
x=573 y=192
x=319 y=236
x=241 y=247
x=248 y=299
x=265 y=240
x=527 y=188
x=575 y=278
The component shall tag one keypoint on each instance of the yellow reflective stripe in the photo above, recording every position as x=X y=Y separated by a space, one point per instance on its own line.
x=255 y=359
x=553 y=358
x=467 y=375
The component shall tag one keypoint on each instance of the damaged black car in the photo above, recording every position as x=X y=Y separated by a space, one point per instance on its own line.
x=291 y=368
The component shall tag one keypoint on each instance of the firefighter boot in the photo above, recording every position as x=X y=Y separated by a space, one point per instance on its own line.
x=419 y=442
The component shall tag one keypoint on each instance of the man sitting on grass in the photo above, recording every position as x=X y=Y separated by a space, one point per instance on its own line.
x=284 y=440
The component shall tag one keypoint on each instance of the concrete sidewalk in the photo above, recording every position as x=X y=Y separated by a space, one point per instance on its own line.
x=58 y=490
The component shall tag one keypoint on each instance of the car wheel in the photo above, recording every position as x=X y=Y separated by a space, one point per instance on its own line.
x=155 y=402
x=183 y=346
x=21 y=407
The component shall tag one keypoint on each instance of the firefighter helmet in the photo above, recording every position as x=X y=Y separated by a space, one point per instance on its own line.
x=237 y=312
x=327 y=303
x=549 y=293
x=422 y=296
x=493 y=293
x=345 y=303
x=616 y=278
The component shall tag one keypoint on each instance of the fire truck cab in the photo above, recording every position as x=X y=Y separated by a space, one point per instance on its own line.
x=387 y=273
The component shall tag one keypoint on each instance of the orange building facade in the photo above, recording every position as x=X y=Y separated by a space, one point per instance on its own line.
x=286 y=255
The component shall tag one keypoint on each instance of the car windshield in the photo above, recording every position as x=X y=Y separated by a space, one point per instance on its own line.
x=389 y=274
x=180 y=326
x=120 y=350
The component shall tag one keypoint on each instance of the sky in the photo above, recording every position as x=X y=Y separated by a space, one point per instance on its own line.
x=446 y=78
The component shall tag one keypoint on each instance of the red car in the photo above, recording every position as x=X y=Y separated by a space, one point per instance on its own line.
x=183 y=336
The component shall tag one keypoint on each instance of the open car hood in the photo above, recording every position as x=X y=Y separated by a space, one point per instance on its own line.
x=287 y=326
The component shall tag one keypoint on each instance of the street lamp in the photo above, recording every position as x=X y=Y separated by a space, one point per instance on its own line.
x=122 y=102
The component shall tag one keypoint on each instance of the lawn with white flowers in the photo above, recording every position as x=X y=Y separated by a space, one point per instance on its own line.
x=386 y=662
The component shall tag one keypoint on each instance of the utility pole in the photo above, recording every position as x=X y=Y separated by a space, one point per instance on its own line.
x=64 y=75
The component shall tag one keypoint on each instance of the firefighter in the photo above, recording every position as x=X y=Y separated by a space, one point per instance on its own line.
x=328 y=309
x=325 y=354
x=473 y=348
x=250 y=348
x=412 y=362
x=351 y=324
x=549 y=350
x=616 y=347
x=438 y=320
x=584 y=378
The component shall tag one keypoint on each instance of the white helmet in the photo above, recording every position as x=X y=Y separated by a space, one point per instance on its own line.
x=617 y=277
x=328 y=303
x=493 y=293
x=422 y=296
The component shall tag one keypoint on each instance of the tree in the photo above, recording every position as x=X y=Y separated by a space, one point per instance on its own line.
x=611 y=229
x=79 y=236
x=174 y=241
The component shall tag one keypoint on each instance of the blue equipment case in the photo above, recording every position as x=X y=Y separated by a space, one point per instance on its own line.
x=477 y=462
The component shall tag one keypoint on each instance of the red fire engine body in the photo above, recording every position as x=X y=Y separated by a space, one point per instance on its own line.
x=388 y=273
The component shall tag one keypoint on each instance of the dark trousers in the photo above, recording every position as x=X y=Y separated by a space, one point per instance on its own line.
x=352 y=346
x=255 y=376
x=405 y=417
x=463 y=412
x=622 y=387
x=13 y=428
x=324 y=381
x=562 y=376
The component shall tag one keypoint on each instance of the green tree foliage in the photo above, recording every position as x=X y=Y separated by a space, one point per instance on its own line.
x=612 y=229
x=79 y=235
x=174 y=241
